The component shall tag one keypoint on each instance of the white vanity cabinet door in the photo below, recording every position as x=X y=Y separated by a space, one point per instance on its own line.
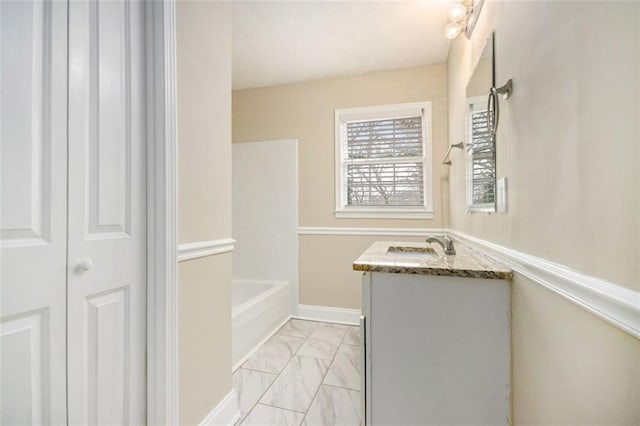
x=438 y=349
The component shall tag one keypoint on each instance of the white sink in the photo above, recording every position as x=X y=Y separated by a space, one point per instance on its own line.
x=411 y=252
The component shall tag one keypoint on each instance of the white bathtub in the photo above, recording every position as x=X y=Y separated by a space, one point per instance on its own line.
x=258 y=308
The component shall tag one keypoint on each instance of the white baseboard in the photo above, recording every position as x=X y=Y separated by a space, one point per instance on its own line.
x=269 y=336
x=227 y=412
x=328 y=314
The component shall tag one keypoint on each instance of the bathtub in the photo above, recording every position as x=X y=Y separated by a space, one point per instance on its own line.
x=258 y=309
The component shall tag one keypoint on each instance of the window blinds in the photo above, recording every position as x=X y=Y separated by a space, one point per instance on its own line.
x=483 y=160
x=398 y=137
x=386 y=167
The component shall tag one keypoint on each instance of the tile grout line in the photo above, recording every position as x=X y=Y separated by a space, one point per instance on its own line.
x=355 y=364
x=258 y=401
x=257 y=371
x=276 y=378
x=323 y=377
x=280 y=408
x=265 y=343
x=278 y=375
x=341 y=387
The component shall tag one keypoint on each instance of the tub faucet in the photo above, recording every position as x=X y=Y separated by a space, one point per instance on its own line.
x=446 y=243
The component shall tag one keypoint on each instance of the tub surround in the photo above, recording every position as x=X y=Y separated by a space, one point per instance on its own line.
x=259 y=310
x=467 y=263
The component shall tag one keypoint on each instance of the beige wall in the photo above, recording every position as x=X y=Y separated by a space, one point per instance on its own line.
x=569 y=367
x=568 y=138
x=204 y=335
x=305 y=111
x=204 y=120
x=325 y=268
x=568 y=143
x=204 y=204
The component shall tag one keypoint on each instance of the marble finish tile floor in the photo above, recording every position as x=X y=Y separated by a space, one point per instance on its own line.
x=308 y=374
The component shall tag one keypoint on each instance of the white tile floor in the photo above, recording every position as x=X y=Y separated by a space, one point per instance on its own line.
x=306 y=374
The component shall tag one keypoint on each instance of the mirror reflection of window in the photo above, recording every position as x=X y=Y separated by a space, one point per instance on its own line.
x=481 y=155
x=480 y=143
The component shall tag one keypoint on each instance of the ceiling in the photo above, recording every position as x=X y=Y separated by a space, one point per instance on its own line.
x=279 y=42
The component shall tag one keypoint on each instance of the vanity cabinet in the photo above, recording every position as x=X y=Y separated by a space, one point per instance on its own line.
x=436 y=349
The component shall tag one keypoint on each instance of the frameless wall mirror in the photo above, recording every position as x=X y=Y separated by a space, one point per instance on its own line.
x=480 y=138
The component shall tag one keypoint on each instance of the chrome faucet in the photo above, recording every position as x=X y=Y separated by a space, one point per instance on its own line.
x=446 y=243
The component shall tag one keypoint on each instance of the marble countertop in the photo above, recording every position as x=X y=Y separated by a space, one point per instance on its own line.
x=415 y=258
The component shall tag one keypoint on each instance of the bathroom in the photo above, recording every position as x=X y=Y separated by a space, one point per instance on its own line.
x=551 y=132
x=337 y=212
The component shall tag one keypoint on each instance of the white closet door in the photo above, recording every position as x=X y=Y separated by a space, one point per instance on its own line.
x=33 y=206
x=107 y=213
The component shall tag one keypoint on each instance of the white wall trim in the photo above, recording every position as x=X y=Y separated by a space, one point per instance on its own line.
x=227 y=412
x=357 y=213
x=162 y=296
x=204 y=248
x=328 y=314
x=392 y=232
x=615 y=304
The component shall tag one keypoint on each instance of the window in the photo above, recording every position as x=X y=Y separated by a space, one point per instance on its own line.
x=481 y=157
x=383 y=162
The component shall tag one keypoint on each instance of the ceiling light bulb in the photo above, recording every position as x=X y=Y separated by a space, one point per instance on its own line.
x=457 y=12
x=452 y=30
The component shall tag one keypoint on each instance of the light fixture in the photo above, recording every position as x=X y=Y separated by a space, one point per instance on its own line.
x=459 y=14
x=452 y=30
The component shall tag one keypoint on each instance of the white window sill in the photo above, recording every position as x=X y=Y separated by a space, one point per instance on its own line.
x=384 y=214
x=482 y=208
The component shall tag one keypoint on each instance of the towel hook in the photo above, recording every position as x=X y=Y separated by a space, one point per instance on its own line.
x=493 y=104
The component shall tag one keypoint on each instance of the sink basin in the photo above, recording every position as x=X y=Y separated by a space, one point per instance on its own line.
x=411 y=252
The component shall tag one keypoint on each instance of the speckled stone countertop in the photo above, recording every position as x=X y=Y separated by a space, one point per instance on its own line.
x=413 y=258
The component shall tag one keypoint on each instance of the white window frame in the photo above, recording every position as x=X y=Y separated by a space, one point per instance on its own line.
x=345 y=115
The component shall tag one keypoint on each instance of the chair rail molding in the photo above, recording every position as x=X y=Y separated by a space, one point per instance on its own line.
x=613 y=303
x=204 y=248
x=392 y=232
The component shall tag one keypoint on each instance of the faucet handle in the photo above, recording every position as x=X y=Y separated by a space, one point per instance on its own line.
x=447 y=245
x=449 y=248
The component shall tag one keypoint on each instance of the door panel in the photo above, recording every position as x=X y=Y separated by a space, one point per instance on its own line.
x=24 y=349
x=33 y=205
x=109 y=143
x=26 y=162
x=107 y=360
x=107 y=213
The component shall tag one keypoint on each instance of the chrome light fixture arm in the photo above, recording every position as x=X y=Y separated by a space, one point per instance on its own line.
x=493 y=103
